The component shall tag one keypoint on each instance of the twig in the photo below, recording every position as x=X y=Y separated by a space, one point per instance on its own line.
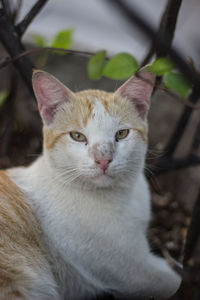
x=7 y=8
x=167 y=164
x=167 y=27
x=193 y=235
x=22 y=26
x=196 y=140
x=7 y=60
x=182 y=123
x=6 y=116
x=17 y=10
x=11 y=41
x=189 y=288
x=171 y=261
x=148 y=56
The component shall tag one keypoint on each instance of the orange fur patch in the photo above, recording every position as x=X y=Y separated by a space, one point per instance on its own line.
x=20 y=234
x=50 y=138
x=143 y=133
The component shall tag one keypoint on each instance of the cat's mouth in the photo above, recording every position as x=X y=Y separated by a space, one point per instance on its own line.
x=102 y=179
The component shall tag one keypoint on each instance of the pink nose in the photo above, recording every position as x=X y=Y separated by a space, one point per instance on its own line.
x=103 y=163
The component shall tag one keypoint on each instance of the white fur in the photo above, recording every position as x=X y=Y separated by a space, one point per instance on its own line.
x=95 y=224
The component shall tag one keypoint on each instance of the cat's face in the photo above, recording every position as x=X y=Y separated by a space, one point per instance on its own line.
x=92 y=137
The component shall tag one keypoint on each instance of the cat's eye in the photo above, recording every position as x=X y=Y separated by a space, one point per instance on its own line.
x=121 y=134
x=78 y=137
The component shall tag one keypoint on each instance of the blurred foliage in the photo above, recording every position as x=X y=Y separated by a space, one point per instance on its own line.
x=177 y=83
x=121 y=66
x=63 y=39
x=40 y=40
x=96 y=65
x=161 y=66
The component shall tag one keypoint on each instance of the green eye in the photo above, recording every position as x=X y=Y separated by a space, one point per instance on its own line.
x=121 y=134
x=78 y=137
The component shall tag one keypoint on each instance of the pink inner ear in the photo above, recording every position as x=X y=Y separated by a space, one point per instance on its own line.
x=138 y=89
x=50 y=93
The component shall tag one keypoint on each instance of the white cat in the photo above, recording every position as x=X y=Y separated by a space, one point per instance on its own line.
x=87 y=201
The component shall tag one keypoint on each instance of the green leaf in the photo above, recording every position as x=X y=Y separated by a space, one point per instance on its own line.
x=39 y=40
x=177 y=83
x=96 y=65
x=121 y=66
x=63 y=39
x=3 y=97
x=161 y=66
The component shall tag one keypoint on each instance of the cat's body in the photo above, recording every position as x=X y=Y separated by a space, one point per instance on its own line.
x=87 y=202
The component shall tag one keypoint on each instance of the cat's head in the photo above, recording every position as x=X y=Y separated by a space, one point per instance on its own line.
x=93 y=137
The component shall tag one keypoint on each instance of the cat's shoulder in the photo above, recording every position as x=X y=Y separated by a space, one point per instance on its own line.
x=11 y=194
x=24 y=265
x=15 y=208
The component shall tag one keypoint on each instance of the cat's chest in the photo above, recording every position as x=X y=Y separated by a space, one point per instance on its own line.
x=86 y=231
x=79 y=222
x=81 y=213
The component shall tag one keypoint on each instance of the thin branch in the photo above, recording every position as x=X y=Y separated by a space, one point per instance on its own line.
x=167 y=27
x=7 y=8
x=11 y=41
x=17 y=10
x=22 y=26
x=193 y=235
x=189 y=288
x=7 y=114
x=8 y=60
x=167 y=164
x=196 y=140
x=148 y=56
x=182 y=123
x=4 y=61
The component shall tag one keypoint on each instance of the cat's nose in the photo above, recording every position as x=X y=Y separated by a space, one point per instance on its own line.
x=103 y=163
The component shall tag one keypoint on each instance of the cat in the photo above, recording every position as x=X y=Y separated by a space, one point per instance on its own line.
x=73 y=224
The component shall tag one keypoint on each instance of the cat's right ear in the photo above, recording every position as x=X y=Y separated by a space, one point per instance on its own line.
x=50 y=94
x=138 y=89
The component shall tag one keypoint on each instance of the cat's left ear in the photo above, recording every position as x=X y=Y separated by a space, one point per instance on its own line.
x=138 y=90
x=50 y=94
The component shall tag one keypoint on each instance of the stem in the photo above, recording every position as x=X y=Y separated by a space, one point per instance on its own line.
x=167 y=27
x=182 y=123
x=167 y=164
x=193 y=232
x=7 y=8
x=189 y=288
x=7 y=60
x=22 y=26
x=7 y=118
x=196 y=140
x=11 y=41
